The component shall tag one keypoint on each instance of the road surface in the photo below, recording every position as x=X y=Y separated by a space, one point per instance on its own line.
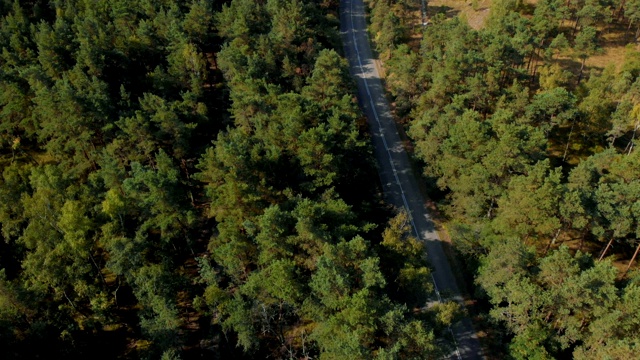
x=399 y=183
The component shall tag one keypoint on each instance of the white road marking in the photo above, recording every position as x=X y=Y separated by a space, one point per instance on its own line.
x=395 y=174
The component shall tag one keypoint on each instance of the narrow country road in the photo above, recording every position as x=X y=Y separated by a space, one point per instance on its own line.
x=399 y=183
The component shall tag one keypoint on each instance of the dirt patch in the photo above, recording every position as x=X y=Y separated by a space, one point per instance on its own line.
x=475 y=12
x=611 y=54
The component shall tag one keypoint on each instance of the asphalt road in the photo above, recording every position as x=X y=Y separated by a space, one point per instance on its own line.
x=399 y=183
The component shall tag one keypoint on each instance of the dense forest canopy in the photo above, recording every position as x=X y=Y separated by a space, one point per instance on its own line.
x=534 y=155
x=192 y=178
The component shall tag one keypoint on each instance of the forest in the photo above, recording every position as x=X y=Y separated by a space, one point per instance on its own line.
x=193 y=178
x=529 y=147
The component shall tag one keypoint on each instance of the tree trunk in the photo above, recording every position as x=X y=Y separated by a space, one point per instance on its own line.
x=620 y=9
x=632 y=259
x=98 y=269
x=604 y=252
x=489 y=212
x=553 y=241
x=584 y=60
x=575 y=27
x=566 y=148
x=115 y=292
x=69 y=300
x=533 y=64
x=582 y=237
x=534 y=54
x=630 y=144
x=626 y=34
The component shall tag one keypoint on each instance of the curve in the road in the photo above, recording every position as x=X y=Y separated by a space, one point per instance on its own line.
x=400 y=185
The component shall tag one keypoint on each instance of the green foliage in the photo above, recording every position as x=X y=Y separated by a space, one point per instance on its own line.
x=389 y=25
x=296 y=273
x=586 y=42
x=555 y=303
x=526 y=155
x=530 y=206
x=404 y=260
x=100 y=105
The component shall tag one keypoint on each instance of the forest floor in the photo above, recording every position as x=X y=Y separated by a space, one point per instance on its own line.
x=475 y=12
x=613 y=39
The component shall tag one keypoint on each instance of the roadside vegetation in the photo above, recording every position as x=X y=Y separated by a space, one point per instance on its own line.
x=526 y=126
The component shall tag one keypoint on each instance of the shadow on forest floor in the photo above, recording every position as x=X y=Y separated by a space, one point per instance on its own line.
x=448 y=11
